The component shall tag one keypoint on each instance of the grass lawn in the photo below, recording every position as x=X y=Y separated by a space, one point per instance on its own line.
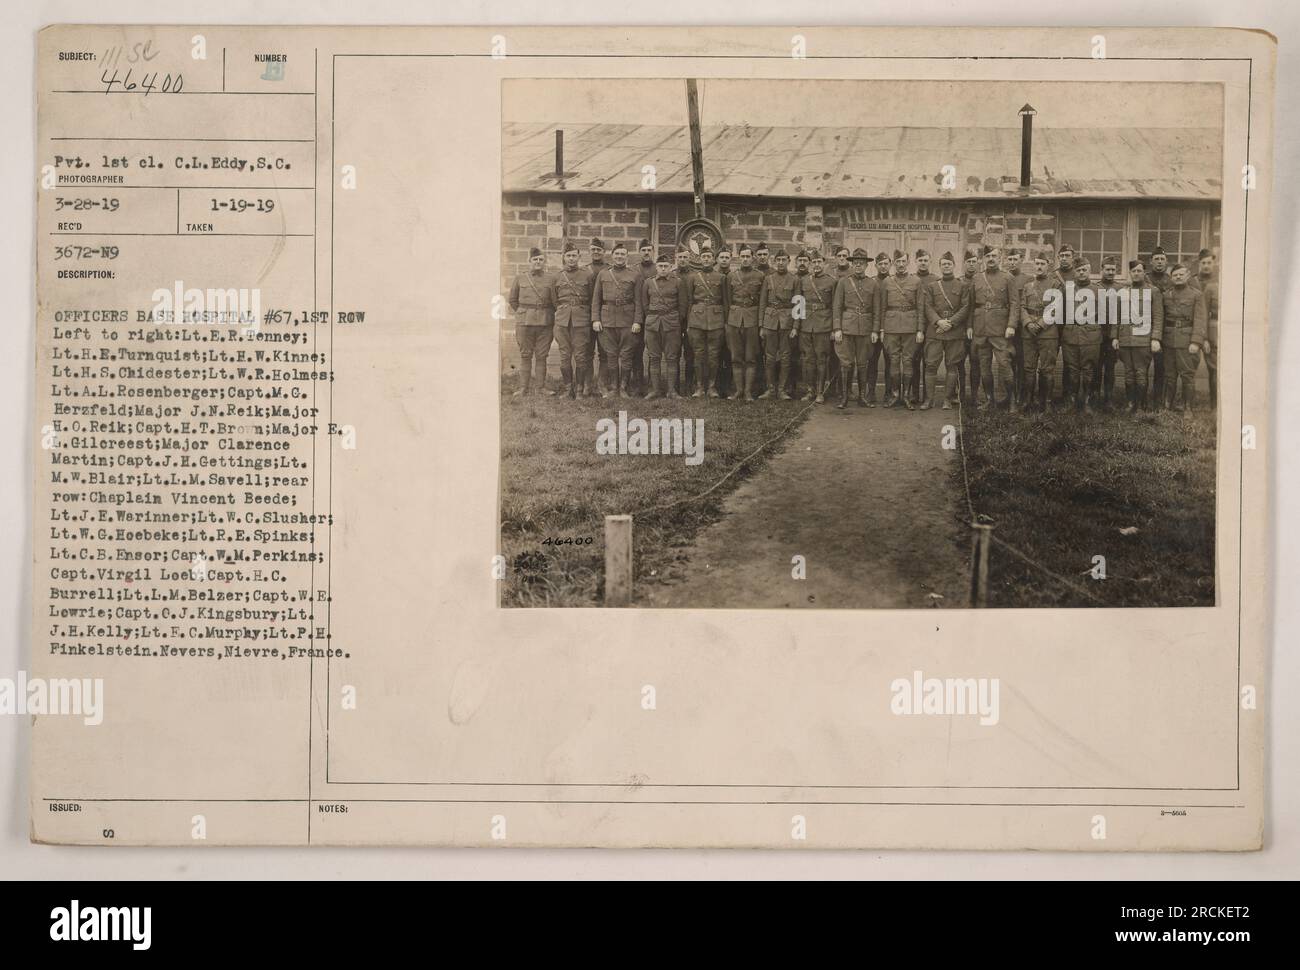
x=554 y=485
x=1060 y=488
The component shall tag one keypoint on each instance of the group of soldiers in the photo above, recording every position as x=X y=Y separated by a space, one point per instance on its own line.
x=817 y=325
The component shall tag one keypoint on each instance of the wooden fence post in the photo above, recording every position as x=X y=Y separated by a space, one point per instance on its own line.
x=981 y=539
x=618 y=560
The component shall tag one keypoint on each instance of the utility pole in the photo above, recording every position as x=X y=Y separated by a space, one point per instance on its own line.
x=697 y=148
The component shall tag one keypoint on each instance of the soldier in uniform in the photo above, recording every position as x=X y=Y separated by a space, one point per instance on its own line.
x=970 y=266
x=1208 y=284
x=818 y=291
x=706 y=297
x=843 y=264
x=571 y=291
x=644 y=270
x=724 y=260
x=1041 y=340
x=681 y=269
x=598 y=265
x=924 y=278
x=853 y=318
x=1138 y=339
x=1103 y=378
x=763 y=259
x=945 y=334
x=530 y=301
x=994 y=325
x=1186 y=327
x=1082 y=335
x=744 y=286
x=660 y=308
x=876 y=349
x=1158 y=275
x=802 y=264
x=902 y=328
x=841 y=268
x=775 y=301
x=613 y=317
x=1017 y=278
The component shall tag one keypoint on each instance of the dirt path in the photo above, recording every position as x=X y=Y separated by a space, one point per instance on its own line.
x=864 y=495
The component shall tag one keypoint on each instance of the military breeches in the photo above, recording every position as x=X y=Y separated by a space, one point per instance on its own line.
x=1180 y=368
x=1136 y=361
x=950 y=353
x=1040 y=354
x=706 y=347
x=1079 y=363
x=534 y=344
x=853 y=350
x=816 y=351
x=616 y=368
x=994 y=355
x=899 y=349
x=663 y=348
x=575 y=352
x=743 y=344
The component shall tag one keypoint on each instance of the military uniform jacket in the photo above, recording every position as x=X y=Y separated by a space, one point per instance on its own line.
x=706 y=294
x=530 y=299
x=900 y=299
x=990 y=303
x=776 y=299
x=1033 y=301
x=923 y=294
x=945 y=299
x=646 y=270
x=613 y=301
x=1080 y=329
x=1209 y=288
x=819 y=295
x=1145 y=334
x=856 y=306
x=1016 y=282
x=571 y=295
x=1186 y=318
x=1163 y=282
x=744 y=289
x=661 y=304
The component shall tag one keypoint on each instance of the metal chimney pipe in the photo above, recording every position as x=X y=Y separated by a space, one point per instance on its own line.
x=1026 y=143
x=559 y=152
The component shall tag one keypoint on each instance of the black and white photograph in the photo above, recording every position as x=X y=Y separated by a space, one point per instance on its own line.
x=859 y=344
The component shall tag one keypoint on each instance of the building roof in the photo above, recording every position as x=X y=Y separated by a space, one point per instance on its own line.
x=870 y=163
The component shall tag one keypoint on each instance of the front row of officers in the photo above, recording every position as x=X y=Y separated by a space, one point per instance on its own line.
x=833 y=322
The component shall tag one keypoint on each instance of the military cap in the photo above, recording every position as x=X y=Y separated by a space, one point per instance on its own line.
x=1203 y=253
x=859 y=254
x=780 y=253
x=815 y=254
x=618 y=246
x=1110 y=261
x=972 y=252
x=534 y=252
x=947 y=256
x=706 y=250
x=841 y=249
x=920 y=253
x=988 y=250
x=1159 y=251
x=1067 y=248
x=1176 y=267
x=664 y=257
x=645 y=244
x=899 y=254
x=1134 y=263
x=571 y=247
x=882 y=257
x=597 y=244
x=744 y=249
x=761 y=248
x=1015 y=252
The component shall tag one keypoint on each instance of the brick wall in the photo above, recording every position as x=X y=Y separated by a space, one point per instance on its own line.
x=547 y=221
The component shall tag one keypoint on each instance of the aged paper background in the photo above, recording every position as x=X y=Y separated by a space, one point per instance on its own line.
x=478 y=711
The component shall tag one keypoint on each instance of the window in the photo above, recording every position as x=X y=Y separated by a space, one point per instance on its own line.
x=1178 y=231
x=1095 y=233
x=671 y=216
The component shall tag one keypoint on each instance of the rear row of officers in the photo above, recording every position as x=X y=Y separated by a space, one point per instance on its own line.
x=989 y=321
